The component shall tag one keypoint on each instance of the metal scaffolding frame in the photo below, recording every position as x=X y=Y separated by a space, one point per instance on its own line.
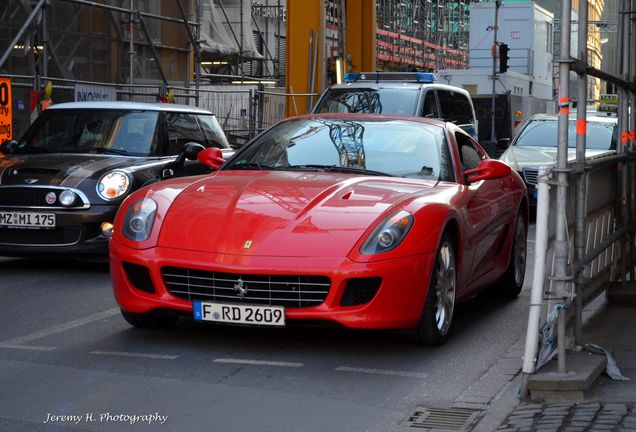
x=42 y=44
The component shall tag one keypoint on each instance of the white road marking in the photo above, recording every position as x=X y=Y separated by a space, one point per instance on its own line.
x=61 y=327
x=382 y=372
x=258 y=362
x=27 y=347
x=135 y=354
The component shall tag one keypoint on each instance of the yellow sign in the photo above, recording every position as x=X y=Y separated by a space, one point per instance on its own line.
x=6 y=115
x=608 y=103
x=609 y=99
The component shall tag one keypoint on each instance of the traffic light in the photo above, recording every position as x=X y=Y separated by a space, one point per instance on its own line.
x=503 y=57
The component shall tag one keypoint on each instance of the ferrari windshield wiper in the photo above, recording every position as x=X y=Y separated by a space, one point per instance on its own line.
x=336 y=168
x=251 y=166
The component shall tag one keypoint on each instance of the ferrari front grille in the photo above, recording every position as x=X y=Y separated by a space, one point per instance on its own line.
x=276 y=290
x=530 y=175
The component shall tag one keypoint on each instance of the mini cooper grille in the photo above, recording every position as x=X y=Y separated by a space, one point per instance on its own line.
x=530 y=175
x=30 y=197
x=59 y=236
x=288 y=291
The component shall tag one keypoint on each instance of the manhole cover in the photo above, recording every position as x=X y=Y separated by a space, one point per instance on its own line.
x=438 y=420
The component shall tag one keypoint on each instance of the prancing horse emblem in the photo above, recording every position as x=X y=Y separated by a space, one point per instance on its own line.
x=31 y=180
x=240 y=288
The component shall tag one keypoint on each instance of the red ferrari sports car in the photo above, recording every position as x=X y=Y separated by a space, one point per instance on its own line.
x=376 y=222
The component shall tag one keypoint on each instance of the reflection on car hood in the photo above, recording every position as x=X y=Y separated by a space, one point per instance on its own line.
x=521 y=157
x=282 y=213
x=61 y=169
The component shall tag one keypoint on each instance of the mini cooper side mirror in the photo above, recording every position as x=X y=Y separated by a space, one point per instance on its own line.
x=8 y=147
x=211 y=157
x=487 y=170
x=191 y=150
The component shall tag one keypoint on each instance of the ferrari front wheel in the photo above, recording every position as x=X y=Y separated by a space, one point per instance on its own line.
x=439 y=307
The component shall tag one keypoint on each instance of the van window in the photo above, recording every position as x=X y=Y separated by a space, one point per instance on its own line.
x=369 y=101
x=455 y=107
x=429 y=110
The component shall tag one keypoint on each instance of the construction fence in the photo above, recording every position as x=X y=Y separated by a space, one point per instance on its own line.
x=243 y=110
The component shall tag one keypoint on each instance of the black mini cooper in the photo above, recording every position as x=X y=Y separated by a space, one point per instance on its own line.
x=61 y=184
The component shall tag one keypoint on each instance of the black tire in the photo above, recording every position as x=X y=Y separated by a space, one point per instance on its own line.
x=435 y=323
x=150 y=320
x=511 y=283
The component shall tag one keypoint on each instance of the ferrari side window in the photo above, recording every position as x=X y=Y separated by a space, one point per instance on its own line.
x=468 y=153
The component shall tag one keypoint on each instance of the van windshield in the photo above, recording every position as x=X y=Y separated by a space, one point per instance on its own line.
x=120 y=132
x=401 y=101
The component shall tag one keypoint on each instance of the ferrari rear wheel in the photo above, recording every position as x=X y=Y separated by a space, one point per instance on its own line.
x=150 y=320
x=511 y=283
x=437 y=317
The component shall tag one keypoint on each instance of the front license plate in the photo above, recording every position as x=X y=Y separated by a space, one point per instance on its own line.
x=27 y=220
x=239 y=314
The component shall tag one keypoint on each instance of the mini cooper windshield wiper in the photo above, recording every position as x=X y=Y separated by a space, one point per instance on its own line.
x=335 y=168
x=104 y=150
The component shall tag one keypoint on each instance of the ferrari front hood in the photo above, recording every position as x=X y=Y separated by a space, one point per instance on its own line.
x=281 y=213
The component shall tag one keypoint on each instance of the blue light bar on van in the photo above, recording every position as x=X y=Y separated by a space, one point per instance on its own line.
x=419 y=77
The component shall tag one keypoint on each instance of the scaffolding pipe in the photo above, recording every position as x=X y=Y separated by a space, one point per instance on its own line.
x=561 y=242
x=20 y=33
x=131 y=50
x=536 y=294
x=581 y=184
x=153 y=49
x=495 y=50
x=125 y=11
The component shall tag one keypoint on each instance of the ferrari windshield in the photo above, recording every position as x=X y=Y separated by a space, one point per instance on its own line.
x=357 y=146
x=544 y=133
x=122 y=132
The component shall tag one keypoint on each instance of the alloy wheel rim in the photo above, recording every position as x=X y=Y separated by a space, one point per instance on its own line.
x=519 y=251
x=445 y=288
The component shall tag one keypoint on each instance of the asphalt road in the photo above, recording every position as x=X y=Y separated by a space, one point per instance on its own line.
x=69 y=362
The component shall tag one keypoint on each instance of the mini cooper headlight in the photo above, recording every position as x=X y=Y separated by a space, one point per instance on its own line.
x=388 y=234
x=67 y=198
x=139 y=219
x=113 y=185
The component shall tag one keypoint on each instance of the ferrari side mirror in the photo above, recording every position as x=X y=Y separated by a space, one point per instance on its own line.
x=211 y=157
x=487 y=170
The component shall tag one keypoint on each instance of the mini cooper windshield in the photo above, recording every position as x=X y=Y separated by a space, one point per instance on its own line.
x=360 y=146
x=117 y=132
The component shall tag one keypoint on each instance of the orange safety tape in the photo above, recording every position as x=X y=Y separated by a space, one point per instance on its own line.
x=581 y=127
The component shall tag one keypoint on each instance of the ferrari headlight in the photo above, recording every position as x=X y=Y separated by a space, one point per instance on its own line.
x=139 y=219
x=113 y=185
x=388 y=234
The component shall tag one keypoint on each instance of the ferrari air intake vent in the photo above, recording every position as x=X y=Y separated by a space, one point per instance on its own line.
x=275 y=290
x=138 y=276
x=360 y=291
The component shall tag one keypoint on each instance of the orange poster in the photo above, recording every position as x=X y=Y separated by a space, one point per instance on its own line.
x=6 y=115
